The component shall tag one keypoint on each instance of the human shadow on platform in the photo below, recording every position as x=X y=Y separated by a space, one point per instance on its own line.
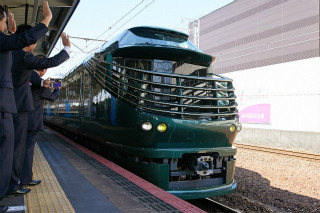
x=255 y=187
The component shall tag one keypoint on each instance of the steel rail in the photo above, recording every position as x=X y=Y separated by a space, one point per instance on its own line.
x=210 y=205
x=223 y=207
x=301 y=155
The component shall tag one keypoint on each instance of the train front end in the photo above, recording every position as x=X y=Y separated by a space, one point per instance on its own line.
x=178 y=120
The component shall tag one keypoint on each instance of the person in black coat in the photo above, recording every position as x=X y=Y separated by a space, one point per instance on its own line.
x=35 y=122
x=7 y=101
x=23 y=64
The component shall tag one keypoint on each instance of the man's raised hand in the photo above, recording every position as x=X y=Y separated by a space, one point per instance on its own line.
x=65 y=40
x=11 y=23
x=47 y=15
x=47 y=83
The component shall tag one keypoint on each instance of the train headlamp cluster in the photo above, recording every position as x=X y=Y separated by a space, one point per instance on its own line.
x=239 y=127
x=232 y=128
x=162 y=127
x=147 y=126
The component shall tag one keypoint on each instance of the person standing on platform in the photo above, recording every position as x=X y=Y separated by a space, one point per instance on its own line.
x=7 y=101
x=22 y=67
x=35 y=122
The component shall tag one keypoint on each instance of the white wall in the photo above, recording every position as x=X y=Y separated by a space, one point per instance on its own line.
x=292 y=89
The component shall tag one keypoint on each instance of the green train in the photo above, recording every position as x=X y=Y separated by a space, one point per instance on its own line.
x=149 y=101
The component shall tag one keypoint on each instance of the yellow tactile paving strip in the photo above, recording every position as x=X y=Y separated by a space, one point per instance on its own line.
x=48 y=196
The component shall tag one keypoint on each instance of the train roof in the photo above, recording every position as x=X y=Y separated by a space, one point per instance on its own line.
x=149 y=35
x=148 y=42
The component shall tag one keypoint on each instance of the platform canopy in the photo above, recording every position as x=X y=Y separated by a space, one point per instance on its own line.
x=30 y=12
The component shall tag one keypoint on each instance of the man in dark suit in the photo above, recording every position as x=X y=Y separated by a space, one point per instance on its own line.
x=22 y=67
x=35 y=123
x=7 y=101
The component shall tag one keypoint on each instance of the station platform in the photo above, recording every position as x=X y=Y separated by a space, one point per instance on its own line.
x=75 y=179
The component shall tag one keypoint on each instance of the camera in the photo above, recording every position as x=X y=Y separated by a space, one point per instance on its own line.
x=57 y=82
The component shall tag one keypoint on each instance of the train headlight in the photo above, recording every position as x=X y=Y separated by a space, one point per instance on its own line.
x=162 y=127
x=239 y=127
x=233 y=128
x=146 y=126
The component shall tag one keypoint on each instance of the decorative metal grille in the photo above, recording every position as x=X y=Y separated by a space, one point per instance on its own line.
x=178 y=95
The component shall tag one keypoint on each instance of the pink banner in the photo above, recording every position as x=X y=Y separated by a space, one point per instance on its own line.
x=259 y=113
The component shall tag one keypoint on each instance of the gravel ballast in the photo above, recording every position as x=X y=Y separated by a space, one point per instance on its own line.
x=274 y=183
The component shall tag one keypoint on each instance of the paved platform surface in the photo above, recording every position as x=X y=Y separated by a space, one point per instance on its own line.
x=74 y=179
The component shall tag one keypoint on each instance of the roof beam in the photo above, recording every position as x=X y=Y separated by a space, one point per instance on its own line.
x=26 y=14
x=52 y=3
x=35 y=12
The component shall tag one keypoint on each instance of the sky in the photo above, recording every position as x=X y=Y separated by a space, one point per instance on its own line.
x=104 y=19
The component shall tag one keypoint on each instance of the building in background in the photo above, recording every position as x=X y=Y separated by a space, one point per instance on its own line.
x=270 y=48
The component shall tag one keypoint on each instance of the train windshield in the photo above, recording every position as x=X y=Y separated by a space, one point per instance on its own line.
x=164 y=66
x=156 y=38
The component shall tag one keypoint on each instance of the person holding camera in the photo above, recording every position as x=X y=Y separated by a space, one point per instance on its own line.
x=24 y=62
x=35 y=122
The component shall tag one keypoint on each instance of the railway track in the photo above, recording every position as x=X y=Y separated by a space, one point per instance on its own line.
x=300 y=155
x=211 y=206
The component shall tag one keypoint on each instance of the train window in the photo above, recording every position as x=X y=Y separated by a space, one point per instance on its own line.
x=149 y=37
x=130 y=83
x=74 y=98
x=87 y=102
x=164 y=67
x=62 y=97
x=138 y=64
x=100 y=101
x=69 y=99
x=162 y=84
x=190 y=69
x=149 y=34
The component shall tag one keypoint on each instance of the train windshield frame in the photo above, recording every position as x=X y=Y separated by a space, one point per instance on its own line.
x=149 y=37
x=164 y=66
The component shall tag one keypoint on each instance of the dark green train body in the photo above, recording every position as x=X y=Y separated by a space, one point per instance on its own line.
x=149 y=101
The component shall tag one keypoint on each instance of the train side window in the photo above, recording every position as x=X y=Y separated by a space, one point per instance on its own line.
x=61 y=99
x=87 y=95
x=130 y=84
x=71 y=103
x=98 y=110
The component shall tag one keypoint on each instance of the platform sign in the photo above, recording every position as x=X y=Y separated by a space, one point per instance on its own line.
x=258 y=113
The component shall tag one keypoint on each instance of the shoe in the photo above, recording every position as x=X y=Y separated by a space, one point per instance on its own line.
x=21 y=191
x=3 y=208
x=32 y=183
